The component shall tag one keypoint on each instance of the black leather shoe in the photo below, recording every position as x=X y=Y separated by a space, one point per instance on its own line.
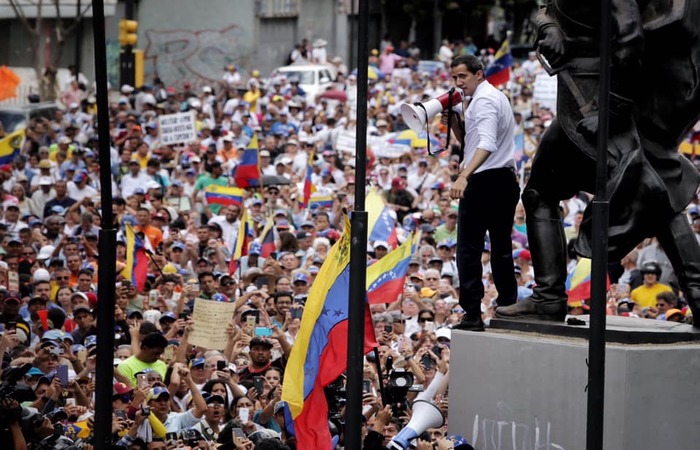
x=527 y=309
x=470 y=325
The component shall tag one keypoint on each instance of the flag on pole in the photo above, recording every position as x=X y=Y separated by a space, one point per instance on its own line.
x=309 y=187
x=245 y=236
x=136 y=267
x=386 y=277
x=319 y=354
x=498 y=72
x=248 y=171
x=267 y=240
x=379 y=222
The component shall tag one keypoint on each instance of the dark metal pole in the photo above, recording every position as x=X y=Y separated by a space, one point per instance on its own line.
x=358 y=248
x=106 y=275
x=596 y=344
x=78 y=38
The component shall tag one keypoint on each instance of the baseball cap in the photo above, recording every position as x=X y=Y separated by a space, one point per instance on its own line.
x=197 y=362
x=156 y=393
x=167 y=315
x=121 y=389
x=300 y=277
x=378 y=244
x=255 y=249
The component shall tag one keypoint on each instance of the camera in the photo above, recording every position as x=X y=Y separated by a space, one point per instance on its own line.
x=12 y=387
x=145 y=411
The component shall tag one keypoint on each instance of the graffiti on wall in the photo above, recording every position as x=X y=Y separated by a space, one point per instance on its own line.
x=195 y=57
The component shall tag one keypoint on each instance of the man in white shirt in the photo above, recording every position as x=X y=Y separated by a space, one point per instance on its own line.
x=135 y=179
x=486 y=188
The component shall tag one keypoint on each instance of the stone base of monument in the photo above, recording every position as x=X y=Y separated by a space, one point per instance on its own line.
x=522 y=385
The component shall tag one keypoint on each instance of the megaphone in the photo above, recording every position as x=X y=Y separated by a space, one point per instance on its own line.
x=425 y=415
x=418 y=114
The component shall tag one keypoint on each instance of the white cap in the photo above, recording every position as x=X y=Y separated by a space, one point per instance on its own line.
x=381 y=244
x=443 y=333
x=126 y=89
x=45 y=181
x=46 y=252
x=41 y=275
x=207 y=89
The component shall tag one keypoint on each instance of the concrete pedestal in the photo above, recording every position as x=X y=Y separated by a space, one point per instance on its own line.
x=525 y=390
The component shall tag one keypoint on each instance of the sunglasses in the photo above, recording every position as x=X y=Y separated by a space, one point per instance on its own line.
x=425 y=319
x=228 y=284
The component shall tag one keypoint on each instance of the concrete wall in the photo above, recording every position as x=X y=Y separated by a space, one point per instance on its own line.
x=520 y=391
x=185 y=41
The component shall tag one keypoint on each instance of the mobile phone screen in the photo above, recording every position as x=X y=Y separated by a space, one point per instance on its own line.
x=238 y=433
x=142 y=381
x=62 y=374
x=366 y=386
x=258 y=383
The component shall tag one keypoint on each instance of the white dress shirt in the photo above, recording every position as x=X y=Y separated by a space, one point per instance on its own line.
x=489 y=125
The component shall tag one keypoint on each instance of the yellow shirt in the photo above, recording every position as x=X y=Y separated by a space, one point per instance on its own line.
x=132 y=365
x=645 y=296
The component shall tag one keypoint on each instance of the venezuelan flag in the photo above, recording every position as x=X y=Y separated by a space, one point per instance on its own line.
x=309 y=187
x=245 y=236
x=578 y=283
x=380 y=223
x=319 y=354
x=386 y=277
x=248 y=171
x=324 y=201
x=10 y=146
x=498 y=72
x=267 y=240
x=223 y=195
x=136 y=267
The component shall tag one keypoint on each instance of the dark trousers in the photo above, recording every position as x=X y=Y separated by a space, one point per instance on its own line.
x=488 y=204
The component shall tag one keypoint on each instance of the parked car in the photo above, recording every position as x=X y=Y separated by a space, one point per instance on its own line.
x=314 y=79
x=14 y=118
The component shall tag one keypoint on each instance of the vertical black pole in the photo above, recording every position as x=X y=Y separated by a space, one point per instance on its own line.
x=126 y=57
x=78 y=38
x=358 y=248
x=596 y=345
x=107 y=245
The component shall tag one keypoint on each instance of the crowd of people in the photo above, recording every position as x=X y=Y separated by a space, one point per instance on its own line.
x=170 y=394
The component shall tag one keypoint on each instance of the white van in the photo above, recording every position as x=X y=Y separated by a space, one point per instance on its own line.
x=314 y=79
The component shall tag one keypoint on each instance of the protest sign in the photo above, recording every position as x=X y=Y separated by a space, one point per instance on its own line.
x=210 y=319
x=177 y=128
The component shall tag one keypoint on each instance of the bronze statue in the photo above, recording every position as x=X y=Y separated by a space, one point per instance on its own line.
x=654 y=100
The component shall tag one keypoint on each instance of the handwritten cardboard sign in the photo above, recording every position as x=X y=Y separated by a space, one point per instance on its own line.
x=210 y=319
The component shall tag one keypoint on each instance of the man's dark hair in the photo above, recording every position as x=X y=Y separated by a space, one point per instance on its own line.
x=669 y=297
x=85 y=272
x=472 y=63
x=279 y=295
x=154 y=340
x=205 y=274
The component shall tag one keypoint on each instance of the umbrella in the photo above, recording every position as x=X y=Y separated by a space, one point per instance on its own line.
x=270 y=180
x=372 y=73
x=410 y=137
x=335 y=94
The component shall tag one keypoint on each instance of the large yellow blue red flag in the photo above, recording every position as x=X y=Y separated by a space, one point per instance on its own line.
x=379 y=221
x=136 y=268
x=386 y=277
x=319 y=354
